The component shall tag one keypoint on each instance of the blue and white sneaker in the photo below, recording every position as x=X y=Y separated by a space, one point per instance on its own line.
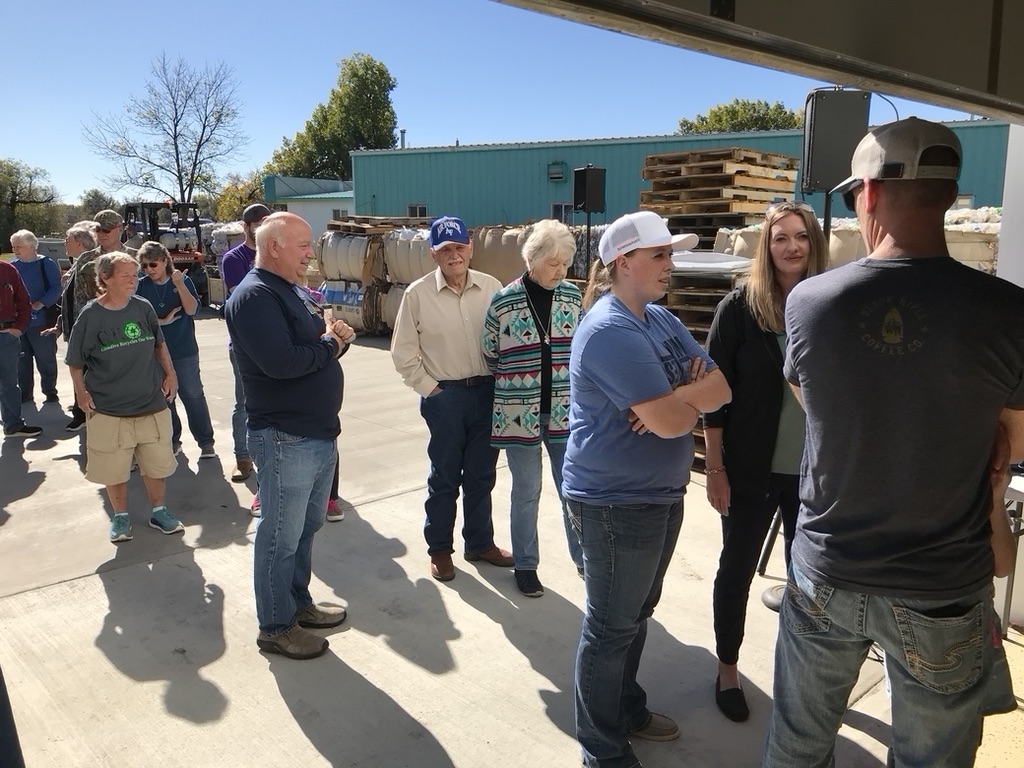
x=165 y=522
x=120 y=527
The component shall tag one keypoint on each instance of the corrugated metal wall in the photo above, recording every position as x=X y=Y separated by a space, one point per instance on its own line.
x=508 y=183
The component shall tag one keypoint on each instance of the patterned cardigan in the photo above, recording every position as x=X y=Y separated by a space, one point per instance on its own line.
x=512 y=350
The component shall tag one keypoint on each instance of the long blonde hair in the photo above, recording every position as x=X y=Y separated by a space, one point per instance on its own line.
x=599 y=282
x=762 y=291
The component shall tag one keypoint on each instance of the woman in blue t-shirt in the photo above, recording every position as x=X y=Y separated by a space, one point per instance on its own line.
x=176 y=302
x=638 y=383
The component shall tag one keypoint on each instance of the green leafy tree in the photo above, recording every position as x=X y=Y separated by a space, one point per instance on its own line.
x=95 y=200
x=172 y=139
x=743 y=115
x=358 y=115
x=27 y=201
x=238 y=192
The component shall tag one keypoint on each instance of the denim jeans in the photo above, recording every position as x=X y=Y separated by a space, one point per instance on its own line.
x=42 y=349
x=937 y=658
x=294 y=475
x=524 y=462
x=461 y=456
x=627 y=549
x=10 y=392
x=193 y=398
x=238 y=417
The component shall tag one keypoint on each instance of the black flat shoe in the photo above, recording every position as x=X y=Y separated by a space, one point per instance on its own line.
x=732 y=702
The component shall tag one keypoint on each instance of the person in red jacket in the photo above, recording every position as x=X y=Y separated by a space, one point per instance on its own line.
x=15 y=309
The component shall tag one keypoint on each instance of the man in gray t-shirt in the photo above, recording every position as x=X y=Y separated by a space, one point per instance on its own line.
x=906 y=363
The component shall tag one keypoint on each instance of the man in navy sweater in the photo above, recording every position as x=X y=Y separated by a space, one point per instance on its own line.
x=288 y=355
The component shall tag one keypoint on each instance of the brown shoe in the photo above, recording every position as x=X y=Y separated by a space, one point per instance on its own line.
x=315 y=616
x=494 y=555
x=294 y=642
x=242 y=470
x=441 y=566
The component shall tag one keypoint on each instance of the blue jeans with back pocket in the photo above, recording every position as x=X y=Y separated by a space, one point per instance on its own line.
x=937 y=659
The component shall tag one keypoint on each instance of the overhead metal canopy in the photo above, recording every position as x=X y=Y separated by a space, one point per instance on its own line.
x=961 y=55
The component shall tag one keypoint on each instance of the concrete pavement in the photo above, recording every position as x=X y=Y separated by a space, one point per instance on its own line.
x=143 y=653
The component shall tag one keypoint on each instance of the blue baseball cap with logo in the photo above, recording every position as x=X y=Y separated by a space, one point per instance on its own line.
x=447 y=229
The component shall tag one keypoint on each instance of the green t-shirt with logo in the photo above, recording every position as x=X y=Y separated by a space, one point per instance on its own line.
x=117 y=349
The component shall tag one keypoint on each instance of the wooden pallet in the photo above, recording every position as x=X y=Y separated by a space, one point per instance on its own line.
x=706 y=194
x=706 y=226
x=376 y=225
x=718 y=205
x=723 y=179
x=723 y=154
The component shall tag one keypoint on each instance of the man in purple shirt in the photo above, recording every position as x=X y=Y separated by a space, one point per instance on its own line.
x=235 y=264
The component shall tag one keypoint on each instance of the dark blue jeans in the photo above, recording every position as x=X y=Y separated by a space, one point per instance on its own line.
x=627 y=549
x=10 y=392
x=461 y=456
x=42 y=349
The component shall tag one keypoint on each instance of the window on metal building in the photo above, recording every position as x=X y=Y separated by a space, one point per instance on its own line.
x=562 y=212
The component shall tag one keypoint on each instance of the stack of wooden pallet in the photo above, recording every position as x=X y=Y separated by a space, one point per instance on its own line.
x=375 y=225
x=703 y=191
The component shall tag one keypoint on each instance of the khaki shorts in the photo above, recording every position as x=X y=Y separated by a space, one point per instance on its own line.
x=111 y=441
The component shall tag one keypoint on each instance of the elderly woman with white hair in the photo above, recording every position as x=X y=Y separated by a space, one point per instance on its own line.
x=528 y=329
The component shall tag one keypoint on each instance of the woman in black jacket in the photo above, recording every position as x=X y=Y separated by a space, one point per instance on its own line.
x=755 y=443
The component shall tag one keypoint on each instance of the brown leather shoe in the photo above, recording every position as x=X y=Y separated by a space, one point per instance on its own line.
x=242 y=470
x=295 y=643
x=441 y=566
x=315 y=616
x=494 y=555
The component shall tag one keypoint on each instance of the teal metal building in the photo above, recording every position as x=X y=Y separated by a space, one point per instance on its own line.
x=516 y=183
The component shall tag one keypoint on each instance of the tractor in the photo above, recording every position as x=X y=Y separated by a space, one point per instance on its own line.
x=180 y=234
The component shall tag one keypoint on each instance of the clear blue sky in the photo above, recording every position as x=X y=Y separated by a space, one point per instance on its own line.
x=473 y=70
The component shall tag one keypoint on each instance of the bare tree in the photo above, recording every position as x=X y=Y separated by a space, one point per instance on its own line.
x=172 y=139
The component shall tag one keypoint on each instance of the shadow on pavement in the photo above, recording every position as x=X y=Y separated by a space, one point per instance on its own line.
x=349 y=720
x=164 y=622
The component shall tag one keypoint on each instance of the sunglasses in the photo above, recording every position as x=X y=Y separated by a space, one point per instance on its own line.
x=850 y=198
x=153 y=264
x=788 y=205
x=311 y=306
x=108 y=231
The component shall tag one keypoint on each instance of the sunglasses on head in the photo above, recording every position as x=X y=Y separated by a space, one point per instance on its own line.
x=788 y=205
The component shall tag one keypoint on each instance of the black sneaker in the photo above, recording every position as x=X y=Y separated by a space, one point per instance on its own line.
x=23 y=431
x=76 y=423
x=528 y=583
x=54 y=398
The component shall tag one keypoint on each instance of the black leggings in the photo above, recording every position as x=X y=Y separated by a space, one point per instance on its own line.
x=743 y=535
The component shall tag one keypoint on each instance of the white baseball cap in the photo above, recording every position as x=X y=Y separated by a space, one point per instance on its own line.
x=893 y=152
x=643 y=229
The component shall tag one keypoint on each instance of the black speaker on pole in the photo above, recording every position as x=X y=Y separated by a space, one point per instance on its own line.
x=834 y=123
x=588 y=189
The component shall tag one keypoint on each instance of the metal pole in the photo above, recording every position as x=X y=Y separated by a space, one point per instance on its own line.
x=588 y=243
x=828 y=216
